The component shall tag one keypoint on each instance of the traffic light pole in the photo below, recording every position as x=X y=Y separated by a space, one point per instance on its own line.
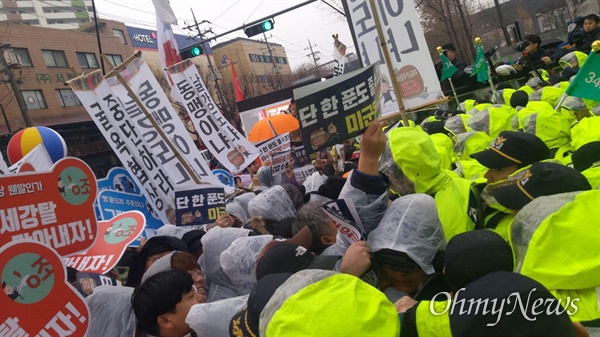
x=210 y=66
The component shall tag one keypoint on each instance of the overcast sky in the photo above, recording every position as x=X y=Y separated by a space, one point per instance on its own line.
x=314 y=21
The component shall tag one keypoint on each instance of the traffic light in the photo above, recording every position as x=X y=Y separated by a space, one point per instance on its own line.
x=264 y=26
x=191 y=51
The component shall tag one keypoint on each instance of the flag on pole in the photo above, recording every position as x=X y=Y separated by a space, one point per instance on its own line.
x=239 y=94
x=448 y=69
x=339 y=51
x=37 y=160
x=586 y=83
x=480 y=67
x=167 y=45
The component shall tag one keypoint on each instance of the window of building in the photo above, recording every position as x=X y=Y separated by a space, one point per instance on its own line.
x=280 y=60
x=24 y=57
x=119 y=33
x=55 y=58
x=67 y=97
x=87 y=60
x=115 y=59
x=34 y=99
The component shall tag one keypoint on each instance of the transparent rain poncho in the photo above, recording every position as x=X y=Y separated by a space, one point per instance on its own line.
x=235 y=209
x=273 y=204
x=214 y=242
x=212 y=319
x=411 y=225
x=111 y=313
x=400 y=184
x=555 y=240
x=243 y=200
x=492 y=120
x=239 y=261
x=313 y=182
x=456 y=124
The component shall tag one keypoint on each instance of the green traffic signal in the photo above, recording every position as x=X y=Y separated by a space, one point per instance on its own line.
x=267 y=25
x=196 y=51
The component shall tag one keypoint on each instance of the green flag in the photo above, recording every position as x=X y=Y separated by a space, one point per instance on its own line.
x=448 y=69
x=480 y=67
x=586 y=83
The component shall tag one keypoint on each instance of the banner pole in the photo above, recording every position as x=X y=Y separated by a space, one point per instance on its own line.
x=148 y=115
x=388 y=63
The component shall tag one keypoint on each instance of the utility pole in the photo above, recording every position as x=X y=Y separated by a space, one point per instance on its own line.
x=275 y=68
x=313 y=53
x=210 y=66
x=14 y=86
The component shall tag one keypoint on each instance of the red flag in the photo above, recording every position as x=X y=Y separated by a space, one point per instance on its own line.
x=167 y=45
x=239 y=94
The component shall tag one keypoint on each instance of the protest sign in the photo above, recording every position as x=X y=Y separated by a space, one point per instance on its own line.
x=408 y=50
x=87 y=282
x=224 y=177
x=53 y=207
x=223 y=141
x=115 y=235
x=37 y=300
x=339 y=51
x=343 y=214
x=199 y=205
x=337 y=109
x=109 y=115
x=121 y=180
x=278 y=144
x=112 y=203
x=280 y=162
x=300 y=157
x=302 y=173
x=146 y=87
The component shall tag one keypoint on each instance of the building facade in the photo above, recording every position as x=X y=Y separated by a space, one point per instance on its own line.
x=259 y=70
x=50 y=14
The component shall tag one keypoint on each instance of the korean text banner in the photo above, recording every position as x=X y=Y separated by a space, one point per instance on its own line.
x=227 y=144
x=37 y=300
x=278 y=144
x=87 y=282
x=302 y=173
x=114 y=237
x=54 y=207
x=146 y=87
x=109 y=115
x=408 y=50
x=112 y=203
x=341 y=108
x=199 y=205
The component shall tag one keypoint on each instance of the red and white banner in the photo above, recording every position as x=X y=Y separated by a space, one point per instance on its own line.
x=37 y=299
x=168 y=50
x=37 y=160
x=114 y=237
x=54 y=207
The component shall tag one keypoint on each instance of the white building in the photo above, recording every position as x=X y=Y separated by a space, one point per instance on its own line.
x=50 y=13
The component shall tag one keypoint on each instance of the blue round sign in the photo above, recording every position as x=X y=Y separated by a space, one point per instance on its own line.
x=224 y=176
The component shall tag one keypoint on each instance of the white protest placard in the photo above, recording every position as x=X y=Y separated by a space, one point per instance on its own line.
x=412 y=63
x=224 y=142
x=278 y=144
x=108 y=113
x=302 y=173
x=346 y=219
x=139 y=77
x=280 y=161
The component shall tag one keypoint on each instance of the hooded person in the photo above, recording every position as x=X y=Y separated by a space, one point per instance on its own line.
x=546 y=94
x=586 y=131
x=237 y=212
x=553 y=129
x=314 y=303
x=266 y=177
x=416 y=156
x=406 y=245
x=492 y=120
x=111 y=313
x=243 y=200
x=155 y=248
x=323 y=230
x=469 y=256
x=276 y=207
x=238 y=261
x=182 y=261
x=555 y=242
x=215 y=242
x=444 y=146
x=212 y=318
x=295 y=196
x=466 y=144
